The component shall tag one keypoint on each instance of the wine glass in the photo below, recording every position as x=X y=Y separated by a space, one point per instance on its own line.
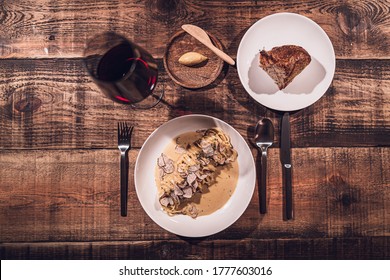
x=124 y=71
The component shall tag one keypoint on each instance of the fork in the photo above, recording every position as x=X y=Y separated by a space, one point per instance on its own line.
x=124 y=144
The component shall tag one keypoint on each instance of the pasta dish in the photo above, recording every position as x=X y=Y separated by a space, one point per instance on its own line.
x=197 y=173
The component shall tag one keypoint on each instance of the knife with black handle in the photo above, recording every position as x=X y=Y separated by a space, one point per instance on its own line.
x=285 y=158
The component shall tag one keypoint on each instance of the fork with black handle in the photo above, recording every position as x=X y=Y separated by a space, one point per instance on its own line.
x=124 y=144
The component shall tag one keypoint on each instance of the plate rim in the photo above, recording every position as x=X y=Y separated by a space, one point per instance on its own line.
x=302 y=17
x=204 y=232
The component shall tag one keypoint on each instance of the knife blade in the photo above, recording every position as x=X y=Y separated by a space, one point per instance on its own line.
x=285 y=158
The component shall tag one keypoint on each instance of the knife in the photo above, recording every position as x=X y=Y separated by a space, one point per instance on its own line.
x=285 y=158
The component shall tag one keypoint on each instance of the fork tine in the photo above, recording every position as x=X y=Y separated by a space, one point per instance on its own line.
x=129 y=134
x=123 y=132
x=129 y=128
x=126 y=129
x=119 y=132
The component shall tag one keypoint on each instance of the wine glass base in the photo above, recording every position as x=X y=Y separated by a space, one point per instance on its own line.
x=152 y=100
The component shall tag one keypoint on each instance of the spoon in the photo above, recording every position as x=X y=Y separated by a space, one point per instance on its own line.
x=264 y=138
x=201 y=35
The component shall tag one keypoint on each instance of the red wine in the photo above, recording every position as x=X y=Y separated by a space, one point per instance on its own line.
x=127 y=73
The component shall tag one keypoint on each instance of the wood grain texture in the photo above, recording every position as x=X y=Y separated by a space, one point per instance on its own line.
x=52 y=103
x=59 y=164
x=358 y=29
x=73 y=195
x=291 y=249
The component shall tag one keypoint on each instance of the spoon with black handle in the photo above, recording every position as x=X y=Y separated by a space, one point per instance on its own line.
x=264 y=138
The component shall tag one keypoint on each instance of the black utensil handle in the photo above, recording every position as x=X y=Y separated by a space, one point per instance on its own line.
x=124 y=185
x=287 y=181
x=263 y=183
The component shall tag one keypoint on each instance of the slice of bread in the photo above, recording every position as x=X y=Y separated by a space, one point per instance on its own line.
x=284 y=63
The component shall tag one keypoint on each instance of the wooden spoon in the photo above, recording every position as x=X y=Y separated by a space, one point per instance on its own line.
x=201 y=35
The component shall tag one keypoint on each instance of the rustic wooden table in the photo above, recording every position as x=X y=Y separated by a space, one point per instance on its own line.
x=59 y=162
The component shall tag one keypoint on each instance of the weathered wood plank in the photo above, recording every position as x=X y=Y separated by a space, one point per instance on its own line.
x=73 y=195
x=53 y=103
x=324 y=248
x=45 y=28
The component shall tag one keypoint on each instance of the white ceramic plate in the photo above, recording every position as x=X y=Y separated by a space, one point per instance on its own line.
x=286 y=29
x=147 y=191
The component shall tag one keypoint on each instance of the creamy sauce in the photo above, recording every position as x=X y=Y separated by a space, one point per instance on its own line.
x=218 y=193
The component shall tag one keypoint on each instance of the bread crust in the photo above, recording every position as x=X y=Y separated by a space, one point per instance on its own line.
x=284 y=63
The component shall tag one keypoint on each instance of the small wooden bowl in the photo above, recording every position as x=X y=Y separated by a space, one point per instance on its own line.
x=192 y=76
